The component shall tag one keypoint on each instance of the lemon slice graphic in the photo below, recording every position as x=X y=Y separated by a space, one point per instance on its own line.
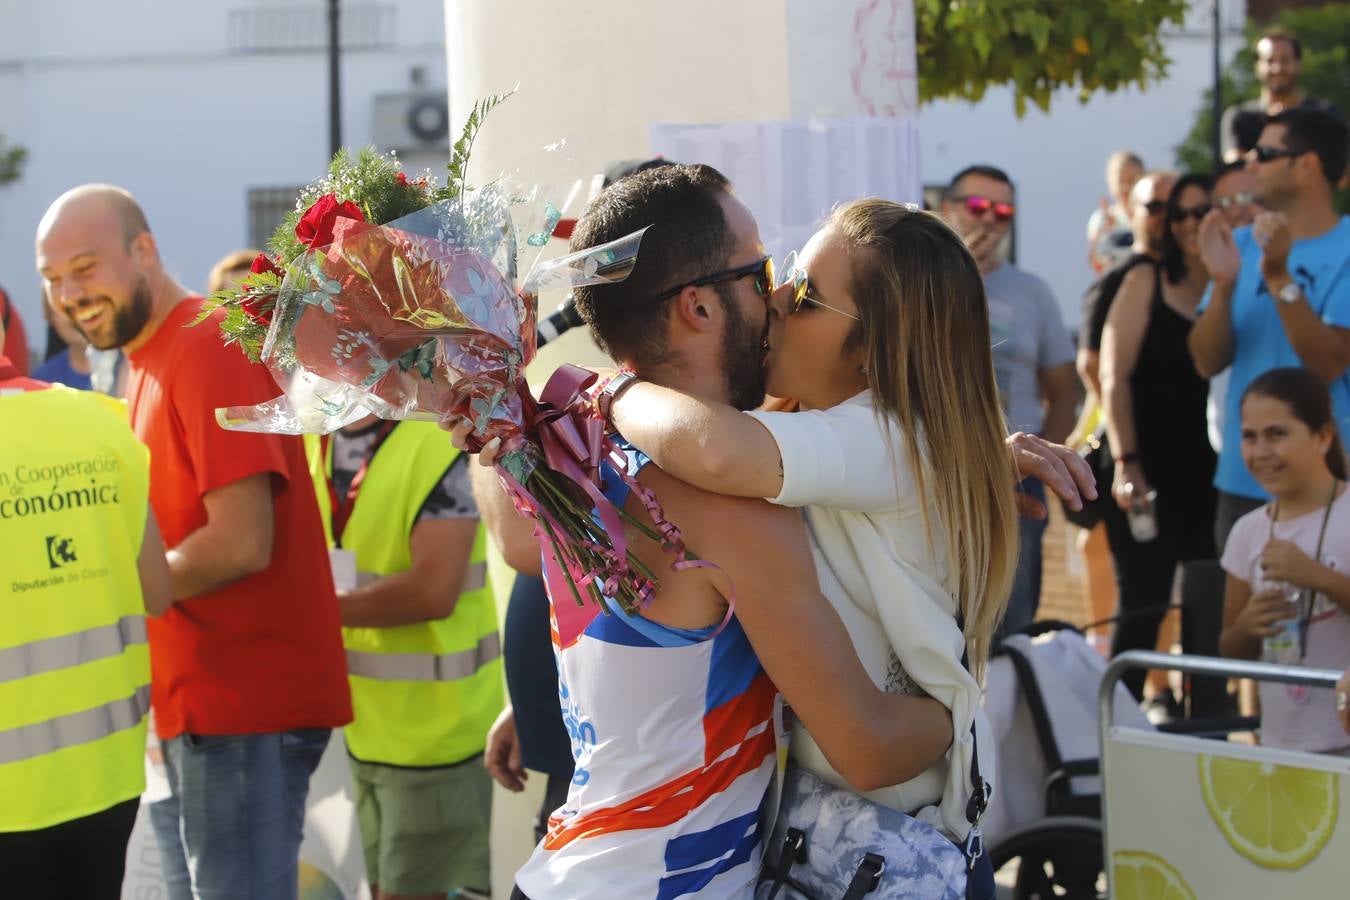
x=1138 y=875
x=1279 y=817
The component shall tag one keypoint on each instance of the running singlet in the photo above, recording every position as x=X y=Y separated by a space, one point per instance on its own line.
x=672 y=731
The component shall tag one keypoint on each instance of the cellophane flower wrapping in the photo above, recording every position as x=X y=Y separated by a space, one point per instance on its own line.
x=418 y=318
x=421 y=318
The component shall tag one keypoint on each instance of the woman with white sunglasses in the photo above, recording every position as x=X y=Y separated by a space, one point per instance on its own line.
x=879 y=332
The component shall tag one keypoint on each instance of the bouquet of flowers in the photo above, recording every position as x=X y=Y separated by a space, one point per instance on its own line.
x=396 y=296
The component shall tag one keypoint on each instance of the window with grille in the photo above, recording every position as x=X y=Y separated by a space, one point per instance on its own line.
x=298 y=27
x=266 y=208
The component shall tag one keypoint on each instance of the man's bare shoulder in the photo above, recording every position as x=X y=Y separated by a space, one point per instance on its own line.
x=734 y=532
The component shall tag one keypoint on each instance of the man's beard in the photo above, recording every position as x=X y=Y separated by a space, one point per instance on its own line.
x=1275 y=198
x=128 y=321
x=1282 y=85
x=741 y=357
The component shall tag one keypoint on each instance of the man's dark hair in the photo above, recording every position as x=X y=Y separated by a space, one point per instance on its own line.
x=1315 y=131
x=625 y=167
x=982 y=170
x=688 y=238
x=1283 y=34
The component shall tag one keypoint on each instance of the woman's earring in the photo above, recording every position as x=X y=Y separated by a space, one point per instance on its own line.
x=862 y=370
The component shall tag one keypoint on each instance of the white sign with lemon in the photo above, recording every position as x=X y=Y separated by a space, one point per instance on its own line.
x=1188 y=818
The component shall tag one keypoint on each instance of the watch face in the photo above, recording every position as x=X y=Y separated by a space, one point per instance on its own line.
x=1290 y=292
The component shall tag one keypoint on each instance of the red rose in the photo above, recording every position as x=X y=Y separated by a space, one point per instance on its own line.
x=263 y=263
x=253 y=307
x=401 y=178
x=315 y=228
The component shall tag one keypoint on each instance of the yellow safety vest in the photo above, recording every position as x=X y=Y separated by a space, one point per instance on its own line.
x=422 y=694
x=74 y=663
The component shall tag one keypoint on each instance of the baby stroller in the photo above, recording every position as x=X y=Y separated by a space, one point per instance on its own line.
x=1043 y=827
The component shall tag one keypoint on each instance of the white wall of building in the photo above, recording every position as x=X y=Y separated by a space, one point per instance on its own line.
x=148 y=94
x=599 y=72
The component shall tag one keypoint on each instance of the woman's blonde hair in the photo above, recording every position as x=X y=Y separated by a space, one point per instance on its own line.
x=924 y=334
x=219 y=278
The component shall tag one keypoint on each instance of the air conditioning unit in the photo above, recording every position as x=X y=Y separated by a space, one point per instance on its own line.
x=412 y=123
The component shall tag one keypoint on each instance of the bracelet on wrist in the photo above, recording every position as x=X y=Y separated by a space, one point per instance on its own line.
x=610 y=390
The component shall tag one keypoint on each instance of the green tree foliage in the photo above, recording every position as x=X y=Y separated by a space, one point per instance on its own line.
x=1038 y=46
x=12 y=158
x=1323 y=33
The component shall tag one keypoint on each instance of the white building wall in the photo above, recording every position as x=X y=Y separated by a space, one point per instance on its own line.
x=599 y=72
x=147 y=94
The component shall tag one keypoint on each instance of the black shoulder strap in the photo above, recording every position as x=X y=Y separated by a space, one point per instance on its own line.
x=980 y=790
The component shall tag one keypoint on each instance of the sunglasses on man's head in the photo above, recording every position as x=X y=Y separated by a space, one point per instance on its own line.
x=796 y=276
x=761 y=269
x=1241 y=198
x=978 y=204
x=1264 y=153
x=1195 y=212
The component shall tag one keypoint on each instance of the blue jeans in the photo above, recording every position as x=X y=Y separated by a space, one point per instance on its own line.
x=231 y=828
x=1026 y=593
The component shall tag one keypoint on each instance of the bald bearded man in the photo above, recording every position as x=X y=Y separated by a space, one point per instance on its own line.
x=248 y=670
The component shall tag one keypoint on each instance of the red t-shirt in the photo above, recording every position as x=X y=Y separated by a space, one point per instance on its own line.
x=12 y=380
x=264 y=653
x=15 y=344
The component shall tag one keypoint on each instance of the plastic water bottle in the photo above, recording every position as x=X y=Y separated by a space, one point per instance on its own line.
x=1143 y=522
x=1282 y=647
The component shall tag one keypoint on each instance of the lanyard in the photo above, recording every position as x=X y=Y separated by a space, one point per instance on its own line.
x=1307 y=598
x=342 y=508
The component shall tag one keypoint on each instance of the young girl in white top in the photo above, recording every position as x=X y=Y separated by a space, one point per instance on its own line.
x=880 y=333
x=1288 y=594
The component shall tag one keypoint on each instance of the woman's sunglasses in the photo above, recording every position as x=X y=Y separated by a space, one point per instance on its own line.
x=1195 y=212
x=796 y=276
x=978 y=205
x=761 y=269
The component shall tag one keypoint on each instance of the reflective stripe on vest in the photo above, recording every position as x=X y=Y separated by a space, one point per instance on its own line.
x=70 y=730
x=424 y=666
x=475 y=577
x=71 y=649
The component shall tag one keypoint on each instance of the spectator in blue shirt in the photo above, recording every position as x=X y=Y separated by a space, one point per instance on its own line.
x=70 y=366
x=1280 y=289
